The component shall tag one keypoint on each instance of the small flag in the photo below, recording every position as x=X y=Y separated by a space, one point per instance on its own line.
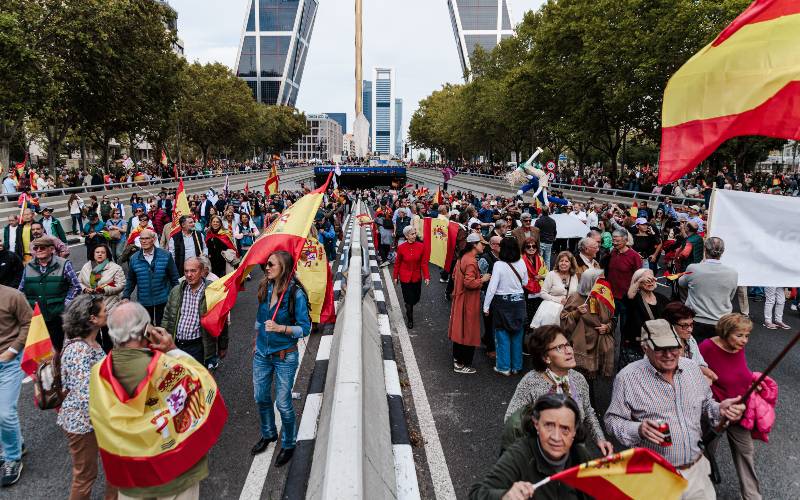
x=38 y=346
x=164 y=157
x=601 y=291
x=776 y=181
x=438 y=198
x=134 y=234
x=246 y=188
x=272 y=185
x=181 y=208
x=448 y=173
x=673 y=277
x=634 y=210
x=439 y=240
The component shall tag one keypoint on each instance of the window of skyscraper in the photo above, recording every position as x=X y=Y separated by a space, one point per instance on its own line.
x=506 y=20
x=269 y=92
x=251 y=19
x=298 y=77
x=273 y=54
x=253 y=88
x=277 y=15
x=478 y=14
x=309 y=9
x=247 y=58
x=487 y=42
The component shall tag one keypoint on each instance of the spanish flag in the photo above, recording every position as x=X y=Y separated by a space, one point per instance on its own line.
x=673 y=277
x=164 y=157
x=635 y=474
x=314 y=272
x=745 y=82
x=271 y=186
x=289 y=232
x=135 y=234
x=38 y=347
x=438 y=198
x=634 y=210
x=601 y=291
x=439 y=239
x=181 y=209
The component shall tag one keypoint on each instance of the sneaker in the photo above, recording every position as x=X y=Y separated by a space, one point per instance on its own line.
x=466 y=370
x=501 y=372
x=770 y=326
x=12 y=470
x=793 y=307
x=781 y=324
x=442 y=280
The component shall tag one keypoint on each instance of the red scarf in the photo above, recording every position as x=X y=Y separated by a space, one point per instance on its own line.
x=533 y=286
x=224 y=237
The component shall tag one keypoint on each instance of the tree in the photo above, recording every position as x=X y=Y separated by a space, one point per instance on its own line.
x=277 y=128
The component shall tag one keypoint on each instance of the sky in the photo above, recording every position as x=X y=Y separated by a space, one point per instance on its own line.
x=412 y=36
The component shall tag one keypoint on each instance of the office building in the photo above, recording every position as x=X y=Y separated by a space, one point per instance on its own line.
x=383 y=111
x=366 y=101
x=273 y=48
x=398 y=128
x=478 y=23
x=348 y=145
x=324 y=141
x=177 y=46
x=340 y=118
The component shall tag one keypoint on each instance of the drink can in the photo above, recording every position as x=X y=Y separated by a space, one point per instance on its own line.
x=663 y=428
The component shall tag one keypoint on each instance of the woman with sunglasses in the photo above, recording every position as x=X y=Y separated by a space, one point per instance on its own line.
x=537 y=270
x=553 y=360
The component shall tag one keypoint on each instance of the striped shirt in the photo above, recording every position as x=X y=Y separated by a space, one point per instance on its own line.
x=641 y=392
x=189 y=321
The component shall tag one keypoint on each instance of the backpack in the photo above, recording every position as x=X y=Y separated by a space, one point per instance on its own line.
x=292 y=299
x=48 y=390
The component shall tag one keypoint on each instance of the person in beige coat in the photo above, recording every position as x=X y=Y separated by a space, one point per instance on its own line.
x=100 y=276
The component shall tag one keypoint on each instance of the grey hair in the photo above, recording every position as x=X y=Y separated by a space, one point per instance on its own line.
x=714 y=247
x=194 y=259
x=127 y=323
x=205 y=261
x=408 y=229
x=147 y=232
x=77 y=315
x=584 y=243
x=587 y=281
x=621 y=232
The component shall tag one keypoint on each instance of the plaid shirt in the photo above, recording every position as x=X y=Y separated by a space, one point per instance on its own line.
x=189 y=321
x=641 y=392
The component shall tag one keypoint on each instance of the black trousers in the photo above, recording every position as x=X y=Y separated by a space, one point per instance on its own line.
x=463 y=354
x=156 y=312
x=488 y=332
x=384 y=250
x=193 y=348
x=411 y=292
x=703 y=331
x=55 y=327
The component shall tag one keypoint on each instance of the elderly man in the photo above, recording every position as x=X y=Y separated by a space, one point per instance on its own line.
x=187 y=243
x=52 y=226
x=38 y=231
x=526 y=230
x=694 y=216
x=51 y=282
x=711 y=288
x=669 y=387
x=153 y=271
x=587 y=255
x=175 y=388
x=185 y=306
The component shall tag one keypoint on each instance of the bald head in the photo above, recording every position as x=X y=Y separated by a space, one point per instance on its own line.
x=127 y=323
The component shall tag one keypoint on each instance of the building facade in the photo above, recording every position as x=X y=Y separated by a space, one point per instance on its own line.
x=273 y=48
x=348 y=145
x=324 y=141
x=340 y=118
x=478 y=23
x=398 y=128
x=383 y=111
x=366 y=102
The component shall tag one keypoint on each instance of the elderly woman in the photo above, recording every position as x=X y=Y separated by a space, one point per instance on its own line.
x=681 y=318
x=590 y=324
x=83 y=319
x=641 y=304
x=104 y=279
x=554 y=371
x=562 y=280
x=410 y=268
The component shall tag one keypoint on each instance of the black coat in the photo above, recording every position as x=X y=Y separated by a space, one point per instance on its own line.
x=10 y=269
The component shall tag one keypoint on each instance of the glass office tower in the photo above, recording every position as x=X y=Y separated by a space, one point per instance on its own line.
x=478 y=23
x=383 y=111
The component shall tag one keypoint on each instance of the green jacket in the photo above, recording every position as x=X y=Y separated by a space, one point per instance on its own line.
x=49 y=289
x=523 y=461
x=58 y=229
x=172 y=316
x=697 y=249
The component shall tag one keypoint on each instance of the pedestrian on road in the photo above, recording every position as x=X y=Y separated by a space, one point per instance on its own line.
x=465 y=312
x=75 y=205
x=93 y=233
x=116 y=228
x=505 y=297
x=15 y=319
x=525 y=231
x=37 y=231
x=486 y=263
x=619 y=265
x=562 y=280
x=410 y=269
x=275 y=354
x=218 y=240
x=106 y=280
x=83 y=320
x=774 y=301
x=537 y=271
x=682 y=320
x=10 y=268
x=186 y=243
x=153 y=274
x=52 y=226
x=547 y=234
x=553 y=359
x=725 y=356
x=642 y=303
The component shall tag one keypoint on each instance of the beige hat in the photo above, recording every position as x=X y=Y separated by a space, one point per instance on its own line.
x=659 y=335
x=43 y=241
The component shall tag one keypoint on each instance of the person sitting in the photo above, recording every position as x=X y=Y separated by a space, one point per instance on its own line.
x=552 y=443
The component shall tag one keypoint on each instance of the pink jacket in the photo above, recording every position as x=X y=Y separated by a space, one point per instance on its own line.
x=760 y=413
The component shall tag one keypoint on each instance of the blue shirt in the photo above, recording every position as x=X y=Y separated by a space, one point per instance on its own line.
x=486 y=215
x=270 y=342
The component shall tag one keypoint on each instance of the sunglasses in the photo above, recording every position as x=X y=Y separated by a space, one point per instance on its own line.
x=533 y=247
x=41 y=247
x=270 y=264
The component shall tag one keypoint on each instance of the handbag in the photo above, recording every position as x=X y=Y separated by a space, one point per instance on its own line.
x=48 y=390
x=549 y=313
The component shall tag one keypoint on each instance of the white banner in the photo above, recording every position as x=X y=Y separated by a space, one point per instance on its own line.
x=568 y=226
x=761 y=234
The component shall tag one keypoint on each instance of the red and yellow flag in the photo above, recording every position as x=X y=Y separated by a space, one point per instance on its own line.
x=673 y=277
x=38 y=347
x=745 y=82
x=135 y=234
x=170 y=422
x=439 y=239
x=314 y=272
x=164 y=157
x=246 y=188
x=289 y=233
x=181 y=208
x=601 y=291
x=634 y=210
x=438 y=198
x=272 y=185
x=635 y=474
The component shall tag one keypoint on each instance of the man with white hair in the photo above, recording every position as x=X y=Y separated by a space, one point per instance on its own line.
x=587 y=255
x=153 y=273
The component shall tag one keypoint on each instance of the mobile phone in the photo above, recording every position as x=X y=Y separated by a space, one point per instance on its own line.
x=147 y=333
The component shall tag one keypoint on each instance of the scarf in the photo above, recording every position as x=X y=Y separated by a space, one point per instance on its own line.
x=224 y=236
x=561 y=383
x=97 y=273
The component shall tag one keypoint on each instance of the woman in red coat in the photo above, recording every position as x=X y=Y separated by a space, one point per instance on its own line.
x=410 y=267
x=465 y=313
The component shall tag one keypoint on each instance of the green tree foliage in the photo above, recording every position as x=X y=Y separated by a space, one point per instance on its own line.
x=277 y=128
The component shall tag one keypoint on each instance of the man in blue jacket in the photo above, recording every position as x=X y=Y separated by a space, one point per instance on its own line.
x=153 y=272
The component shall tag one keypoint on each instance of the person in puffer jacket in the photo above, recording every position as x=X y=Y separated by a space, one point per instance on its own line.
x=152 y=272
x=759 y=416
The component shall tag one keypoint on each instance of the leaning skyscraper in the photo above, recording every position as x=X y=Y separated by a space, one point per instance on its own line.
x=273 y=48
x=478 y=22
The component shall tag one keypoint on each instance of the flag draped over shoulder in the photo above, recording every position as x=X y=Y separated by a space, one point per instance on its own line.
x=272 y=185
x=439 y=239
x=181 y=208
x=38 y=347
x=288 y=232
x=635 y=474
x=745 y=82
x=314 y=272
x=163 y=429
x=601 y=292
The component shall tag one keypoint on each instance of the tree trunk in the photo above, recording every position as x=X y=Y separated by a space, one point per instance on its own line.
x=5 y=147
x=83 y=152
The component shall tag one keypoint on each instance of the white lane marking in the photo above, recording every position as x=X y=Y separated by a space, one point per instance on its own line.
x=337 y=285
x=371 y=253
x=254 y=484
x=379 y=296
x=384 y=328
x=308 y=424
x=324 y=351
x=437 y=463
x=405 y=473
x=375 y=276
x=392 y=378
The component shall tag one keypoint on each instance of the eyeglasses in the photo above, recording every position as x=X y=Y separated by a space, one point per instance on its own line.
x=40 y=247
x=533 y=247
x=561 y=348
x=686 y=326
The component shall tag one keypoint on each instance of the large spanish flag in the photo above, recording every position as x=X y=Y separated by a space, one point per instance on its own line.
x=745 y=82
x=638 y=474
x=163 y=429
x=181 y=208
x=289 y=232
x=601 y=292
x=38 y=346
x=314 y=272
x=272 y=185
x=439 y=238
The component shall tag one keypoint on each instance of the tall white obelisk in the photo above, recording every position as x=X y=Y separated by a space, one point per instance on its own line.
x=361 y=125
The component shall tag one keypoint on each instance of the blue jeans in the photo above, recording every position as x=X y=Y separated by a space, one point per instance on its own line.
x=264 y=367
x=508 y=347
x=546 y=249
x=10 y=384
